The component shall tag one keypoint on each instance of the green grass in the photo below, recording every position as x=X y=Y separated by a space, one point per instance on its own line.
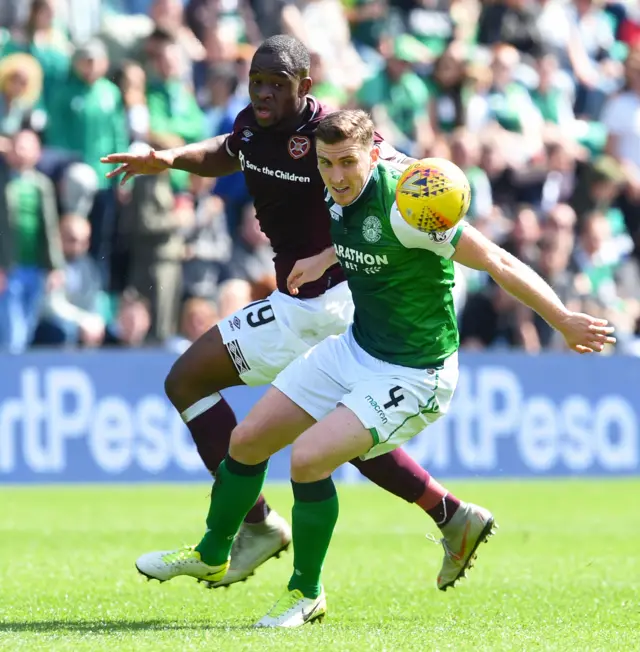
x=561 y=574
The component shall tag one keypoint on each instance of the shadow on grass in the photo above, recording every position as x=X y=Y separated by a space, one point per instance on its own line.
x=110 y=626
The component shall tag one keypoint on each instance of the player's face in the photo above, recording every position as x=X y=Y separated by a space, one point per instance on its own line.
x=345 y=168
x=276 y=95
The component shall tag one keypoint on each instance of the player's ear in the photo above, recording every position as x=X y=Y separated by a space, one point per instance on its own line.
x=304 y=87
x=375 y=155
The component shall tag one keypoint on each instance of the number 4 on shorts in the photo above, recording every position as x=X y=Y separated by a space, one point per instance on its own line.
x=395 y=397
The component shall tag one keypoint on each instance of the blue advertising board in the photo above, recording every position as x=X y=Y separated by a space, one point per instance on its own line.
x=102 y=417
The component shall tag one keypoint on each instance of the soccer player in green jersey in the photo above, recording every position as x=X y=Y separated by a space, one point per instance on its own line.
x=371 y=389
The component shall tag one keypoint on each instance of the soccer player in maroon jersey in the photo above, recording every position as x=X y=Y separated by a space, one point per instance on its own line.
x=273 y=144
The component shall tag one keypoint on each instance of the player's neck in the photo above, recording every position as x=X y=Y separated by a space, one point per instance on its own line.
x=295 y=120
x=365 y=187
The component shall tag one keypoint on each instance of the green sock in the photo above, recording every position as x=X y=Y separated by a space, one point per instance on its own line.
x=234 y=493
x=314 y=515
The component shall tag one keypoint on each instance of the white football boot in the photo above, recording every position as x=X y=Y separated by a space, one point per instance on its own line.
x=467 y=529
x=164 y=565
x=294 y=610
x=255 y=544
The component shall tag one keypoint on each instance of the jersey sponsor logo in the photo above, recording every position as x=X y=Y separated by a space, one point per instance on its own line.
x=352 y=258
x=246 y=164
x=299 y=146
x=372 y=229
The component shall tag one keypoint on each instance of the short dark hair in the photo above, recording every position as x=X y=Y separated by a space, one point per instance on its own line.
x=291 y=52
x=342 y=125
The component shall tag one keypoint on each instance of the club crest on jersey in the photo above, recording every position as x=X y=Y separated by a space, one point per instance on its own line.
x=299 y=146
x=372 y=229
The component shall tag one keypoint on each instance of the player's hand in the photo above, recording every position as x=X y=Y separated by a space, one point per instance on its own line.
x=306 y=270
x=586 y=334
x=131 y=165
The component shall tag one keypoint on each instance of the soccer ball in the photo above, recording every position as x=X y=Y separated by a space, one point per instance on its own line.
x=433 y=194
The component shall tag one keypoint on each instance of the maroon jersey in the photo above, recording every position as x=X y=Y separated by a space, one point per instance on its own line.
x=281 y=172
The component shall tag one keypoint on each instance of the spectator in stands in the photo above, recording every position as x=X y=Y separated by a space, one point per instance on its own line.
x=495 y=161
x=128 y=37
x=589 y=46
x=168 y=16
x=597 y=257
x=465 y=153
x=222 y=103
x=597 y=188
x=324 y=88
x=175 y=117
x=86 y=119
x=522 y=242
x=252 y=258
x=550 y=97
x=72 y=313
x=233 y=295
x=512 y=22
x=622 y=120
x=77 y=189
x=150 y=235
x=132 y=323
x=368 y=23
x=492 y=318
x=554 y=265
x=198 y=316
x=398 y=99
x=510 y=104
x=560 y=223
x=132 y=82
x=41 y=38
x=208 y=245
x=20 y=89
x=327 y=32
x=30 y=252
x=277 y=17
x=431 y=22
x=448 y=94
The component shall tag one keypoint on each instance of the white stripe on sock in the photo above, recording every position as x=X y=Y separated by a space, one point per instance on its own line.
x=444 y=507
x=200 y=407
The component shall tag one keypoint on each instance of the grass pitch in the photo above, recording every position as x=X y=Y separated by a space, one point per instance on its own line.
x=561 y=574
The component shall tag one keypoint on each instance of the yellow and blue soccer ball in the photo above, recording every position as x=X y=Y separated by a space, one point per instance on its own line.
x=433 y=194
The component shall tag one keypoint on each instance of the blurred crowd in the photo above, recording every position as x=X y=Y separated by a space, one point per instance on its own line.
x=537 y=100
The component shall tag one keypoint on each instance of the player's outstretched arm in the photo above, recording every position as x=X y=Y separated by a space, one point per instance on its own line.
x=209 y=158
x=307 y=270
x=583 y=333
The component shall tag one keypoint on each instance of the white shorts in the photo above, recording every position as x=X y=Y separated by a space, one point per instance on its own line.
x=395 y=403
x=265 y=336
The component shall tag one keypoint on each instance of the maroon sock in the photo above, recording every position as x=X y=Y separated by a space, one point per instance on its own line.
x=444 y=510
x=211 y=432
x=397 y=473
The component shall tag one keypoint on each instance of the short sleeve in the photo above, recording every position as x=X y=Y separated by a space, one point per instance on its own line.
x=441 y=243
x=232 y=143
x=389 y=153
